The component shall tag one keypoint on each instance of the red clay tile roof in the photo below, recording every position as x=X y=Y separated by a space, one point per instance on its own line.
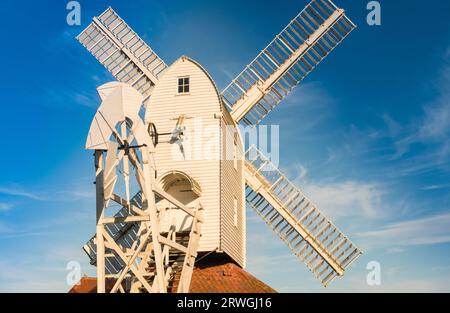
x=213 y=274
x=89 y=285
x=225 y=277
x=86 y=285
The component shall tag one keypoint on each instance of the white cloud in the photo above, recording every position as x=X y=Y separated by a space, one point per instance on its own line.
x=345 y=199
x=225 y=69
x=395 y=250
x=16 y=191
x=435 y=125
x=84 y=194
x=264 y=264
x=436 y=187
x=314 y=101
x=301 y=170
x=331 y=156
x=41 y=273
x=4 y=206
x=77 y=191
x=432 y=128
x=312 y=93
x=422 y=231
x=394 y=129
x=63 y=95
x=400 y=285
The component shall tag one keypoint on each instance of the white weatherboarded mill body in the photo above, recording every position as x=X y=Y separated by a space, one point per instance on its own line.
x=210 y=134
x=172 y=176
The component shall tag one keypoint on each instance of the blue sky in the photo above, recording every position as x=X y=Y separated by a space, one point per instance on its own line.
x=366 y=135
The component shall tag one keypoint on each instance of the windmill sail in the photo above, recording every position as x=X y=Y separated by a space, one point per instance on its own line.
x=286 y=61
x=123 y=53
x=313 y=238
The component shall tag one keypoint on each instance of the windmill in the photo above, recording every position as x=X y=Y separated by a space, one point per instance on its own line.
x=162 y=202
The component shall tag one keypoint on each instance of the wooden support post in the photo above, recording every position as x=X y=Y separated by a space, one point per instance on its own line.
x=100 y=204
x=151 y=208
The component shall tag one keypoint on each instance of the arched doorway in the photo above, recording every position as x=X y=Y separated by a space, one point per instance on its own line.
x=186 y=190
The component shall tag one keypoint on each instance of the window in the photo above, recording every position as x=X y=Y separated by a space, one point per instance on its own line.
x=183 y=85
x=235 y=213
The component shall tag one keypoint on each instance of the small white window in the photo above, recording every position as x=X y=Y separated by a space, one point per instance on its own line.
x=183 y=85
x=235 y=213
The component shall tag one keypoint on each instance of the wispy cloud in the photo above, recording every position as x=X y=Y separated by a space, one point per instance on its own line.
x=395 y=250
x=311 y=95
x=356 y=284
x=19 y=192
x=77 y=191
x=264 y=264
x=314 y=101
x=418 y=164
x=45 y=272
x=432 y=129
x=66 y=95
x=435 y=124
x=422 y=231
x=9 y=230
x=12 y=234
x=436 y=187
x=331 y=156
x=347 y=198
x=301 y=170
x=225 y=70
x=49 y=227
x=5 y=206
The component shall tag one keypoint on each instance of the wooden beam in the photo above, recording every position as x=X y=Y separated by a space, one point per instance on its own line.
x=172 y=244
x=257 y=182
x=257 y=92
x=100 y=204
x=174 y=201
x=125 y=219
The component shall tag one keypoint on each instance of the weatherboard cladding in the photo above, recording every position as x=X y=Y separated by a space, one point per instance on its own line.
x=232 y=187
x=218 y=189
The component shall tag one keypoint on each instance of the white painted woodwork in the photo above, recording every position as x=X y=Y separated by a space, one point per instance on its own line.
x=313 y=238
x=258 y=91
x=205 y=119
x=286 y=61
x=119 y=101
x=123 y=53
x=142 y=256
x=199 y=168
x=233 y=238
